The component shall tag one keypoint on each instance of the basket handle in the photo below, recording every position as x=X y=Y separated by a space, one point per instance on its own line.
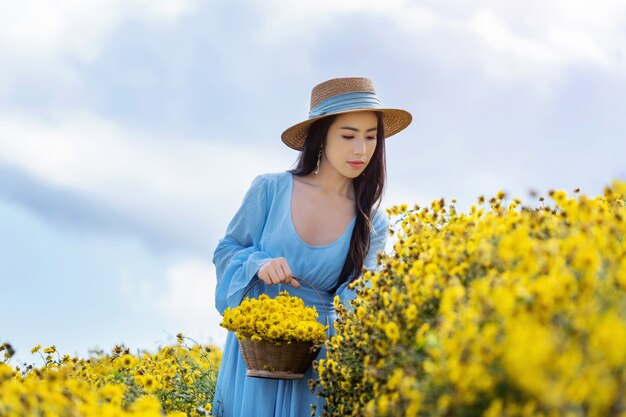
x=299 y=280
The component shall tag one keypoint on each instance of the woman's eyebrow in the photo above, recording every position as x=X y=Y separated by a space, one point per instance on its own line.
x=356 y=130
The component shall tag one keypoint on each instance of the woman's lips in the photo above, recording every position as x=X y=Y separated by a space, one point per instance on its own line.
x=356 y=164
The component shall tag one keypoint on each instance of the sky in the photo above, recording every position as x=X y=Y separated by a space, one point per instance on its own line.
x=131 y=130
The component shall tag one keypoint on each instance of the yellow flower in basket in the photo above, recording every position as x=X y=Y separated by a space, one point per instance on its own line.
x=278 y=320
x=279 y=337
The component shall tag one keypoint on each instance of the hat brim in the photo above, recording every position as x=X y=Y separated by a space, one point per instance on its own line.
x=394 y=120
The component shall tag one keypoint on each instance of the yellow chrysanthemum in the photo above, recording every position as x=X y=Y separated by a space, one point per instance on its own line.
x=503 y=310
x=274 y=319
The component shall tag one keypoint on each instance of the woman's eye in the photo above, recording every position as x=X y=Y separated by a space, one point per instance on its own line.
x=352 y=137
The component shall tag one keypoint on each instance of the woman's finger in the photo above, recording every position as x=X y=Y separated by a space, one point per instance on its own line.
x=263 y=278
x=286 y=271
x=289 y=278
x=274 y=276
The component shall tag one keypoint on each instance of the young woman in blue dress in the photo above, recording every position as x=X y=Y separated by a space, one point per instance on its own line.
x=320 y=221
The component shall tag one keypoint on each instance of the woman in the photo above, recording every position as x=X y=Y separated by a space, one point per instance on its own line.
x=317 y=222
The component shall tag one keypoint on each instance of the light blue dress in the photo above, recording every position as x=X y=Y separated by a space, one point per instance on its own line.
x=261 y=230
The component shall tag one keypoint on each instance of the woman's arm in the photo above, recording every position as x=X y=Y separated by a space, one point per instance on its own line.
x=237 y=257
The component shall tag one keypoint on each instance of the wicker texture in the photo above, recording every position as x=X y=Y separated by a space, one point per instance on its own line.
x=394 y=120
x=287 y=361
x=330 y=88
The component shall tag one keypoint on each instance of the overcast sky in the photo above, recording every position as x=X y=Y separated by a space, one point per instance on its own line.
x=130 y=131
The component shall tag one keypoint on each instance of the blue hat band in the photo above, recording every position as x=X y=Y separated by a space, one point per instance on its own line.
x=346 y=101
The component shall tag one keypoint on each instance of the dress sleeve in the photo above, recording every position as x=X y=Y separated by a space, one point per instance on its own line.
x=237 y=257
x=378 y=240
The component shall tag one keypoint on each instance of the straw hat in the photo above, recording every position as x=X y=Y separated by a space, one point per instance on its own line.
x=344 y=95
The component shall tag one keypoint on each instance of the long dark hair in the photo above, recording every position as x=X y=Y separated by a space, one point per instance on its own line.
x=368 y=190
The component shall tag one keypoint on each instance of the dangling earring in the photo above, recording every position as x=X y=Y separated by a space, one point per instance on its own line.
x=319 y=159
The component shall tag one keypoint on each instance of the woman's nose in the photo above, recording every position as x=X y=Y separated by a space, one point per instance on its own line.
x=359 y=146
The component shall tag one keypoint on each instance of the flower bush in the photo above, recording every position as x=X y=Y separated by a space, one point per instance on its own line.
x=505 y=310
x=177 y=381
x=281 y=319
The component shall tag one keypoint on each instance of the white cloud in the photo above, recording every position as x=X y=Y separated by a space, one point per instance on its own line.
x=184 y=303
x=534 y=41
x=543 y=55
x=498 y=36
x=284 y=20
x=189 y=301
x=77 y=28
x=182 y=188
x=539 y=39
x=44 y=40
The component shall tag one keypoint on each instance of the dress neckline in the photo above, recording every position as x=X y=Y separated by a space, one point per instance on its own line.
x=293 y=228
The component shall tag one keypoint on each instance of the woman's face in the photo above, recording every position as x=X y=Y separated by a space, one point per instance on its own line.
x=351 y=137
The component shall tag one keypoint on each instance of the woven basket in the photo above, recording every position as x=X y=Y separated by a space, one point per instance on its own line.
x=289 y=360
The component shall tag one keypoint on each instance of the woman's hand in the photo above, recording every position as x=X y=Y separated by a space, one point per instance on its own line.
x=276 y=271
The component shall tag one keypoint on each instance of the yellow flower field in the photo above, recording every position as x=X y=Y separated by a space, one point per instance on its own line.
x=176 y=381
x=505 y=310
